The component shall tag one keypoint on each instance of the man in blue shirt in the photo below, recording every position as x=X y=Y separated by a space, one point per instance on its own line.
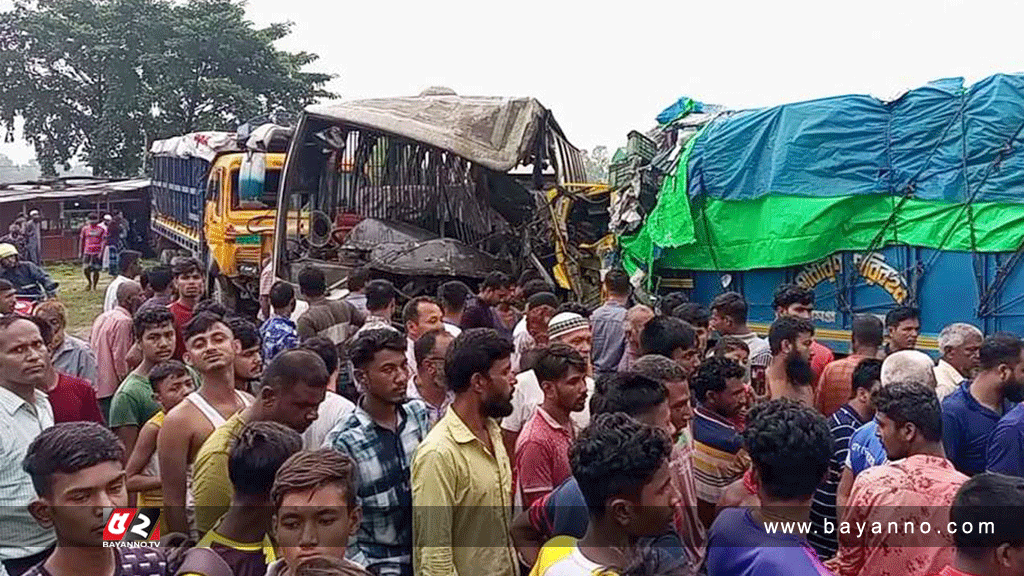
x=790 y=446
x=971 y=412
x=1006 y=447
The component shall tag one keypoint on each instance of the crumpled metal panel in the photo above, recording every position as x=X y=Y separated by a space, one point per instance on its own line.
x=496 y=132
x=404 y=249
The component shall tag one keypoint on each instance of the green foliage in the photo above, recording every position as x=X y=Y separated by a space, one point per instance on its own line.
x=104 y=78
x=596 y=164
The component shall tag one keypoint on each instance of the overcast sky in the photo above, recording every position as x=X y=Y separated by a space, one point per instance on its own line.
x=605 y=70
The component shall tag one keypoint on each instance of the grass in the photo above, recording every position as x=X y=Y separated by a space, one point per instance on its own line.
x=83 y=306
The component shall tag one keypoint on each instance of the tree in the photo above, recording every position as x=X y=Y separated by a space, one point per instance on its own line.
x=104 y=78
x=596 y=164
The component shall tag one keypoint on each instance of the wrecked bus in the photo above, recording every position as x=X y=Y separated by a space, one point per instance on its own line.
x=427 y=188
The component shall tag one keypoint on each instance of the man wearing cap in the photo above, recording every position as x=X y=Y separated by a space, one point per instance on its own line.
x=33 y=247
x=569 y=328
x=27 y=278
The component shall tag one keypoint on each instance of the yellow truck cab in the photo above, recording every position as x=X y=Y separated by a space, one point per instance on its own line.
x=215 y=199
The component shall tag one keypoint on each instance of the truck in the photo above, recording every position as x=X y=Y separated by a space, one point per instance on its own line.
x=214 y=198
x=872 y=204
x=423 y=189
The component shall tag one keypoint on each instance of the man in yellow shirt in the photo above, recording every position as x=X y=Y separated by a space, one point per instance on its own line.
x=293 y=386
x=461 y=477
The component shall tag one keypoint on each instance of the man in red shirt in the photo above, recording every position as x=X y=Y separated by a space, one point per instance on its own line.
x=111 y=339
x=793 y=300
x=836 y=383
x=542 y=448
x=72 y=399
x=93 y=238
x=995 y=501
x=190 y=283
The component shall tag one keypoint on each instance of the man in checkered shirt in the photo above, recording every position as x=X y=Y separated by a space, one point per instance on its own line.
x=381 y=436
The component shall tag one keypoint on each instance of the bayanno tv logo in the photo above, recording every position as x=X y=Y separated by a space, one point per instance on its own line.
x=132 y=528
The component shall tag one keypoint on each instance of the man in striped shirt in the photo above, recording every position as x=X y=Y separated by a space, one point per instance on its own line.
x=718 y=458
x=843 y=423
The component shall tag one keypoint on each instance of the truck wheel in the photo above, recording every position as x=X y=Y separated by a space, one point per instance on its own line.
x=224 y=293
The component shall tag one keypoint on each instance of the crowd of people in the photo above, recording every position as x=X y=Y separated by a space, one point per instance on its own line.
x=502 y=432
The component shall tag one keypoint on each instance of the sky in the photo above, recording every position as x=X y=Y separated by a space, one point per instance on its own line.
x=606 y=70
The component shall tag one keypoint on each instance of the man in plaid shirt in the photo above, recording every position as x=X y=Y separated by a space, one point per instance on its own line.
x=381 y=436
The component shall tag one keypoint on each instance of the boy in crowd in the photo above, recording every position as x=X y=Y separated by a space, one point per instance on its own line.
x=563 y=512
x=789 y=445
x=316 y=511
x=622 y=469
x=904 y=326
x=729 y=318
x=171 y=383
x=672 y=338
x=161 y=280
x=278 y=332
x=697 y=316
x=133 y=404
x=242 y=535
x=189 y=282
x=77 y=473
x=211 y=351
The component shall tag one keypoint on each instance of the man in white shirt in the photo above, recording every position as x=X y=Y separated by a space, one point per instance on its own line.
x=960 y=344
x=24 y=413
x=420 y=315
x=130 y=269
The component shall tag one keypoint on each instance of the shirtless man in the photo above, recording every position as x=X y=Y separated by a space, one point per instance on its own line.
x=789 y=374
x=210 y=348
